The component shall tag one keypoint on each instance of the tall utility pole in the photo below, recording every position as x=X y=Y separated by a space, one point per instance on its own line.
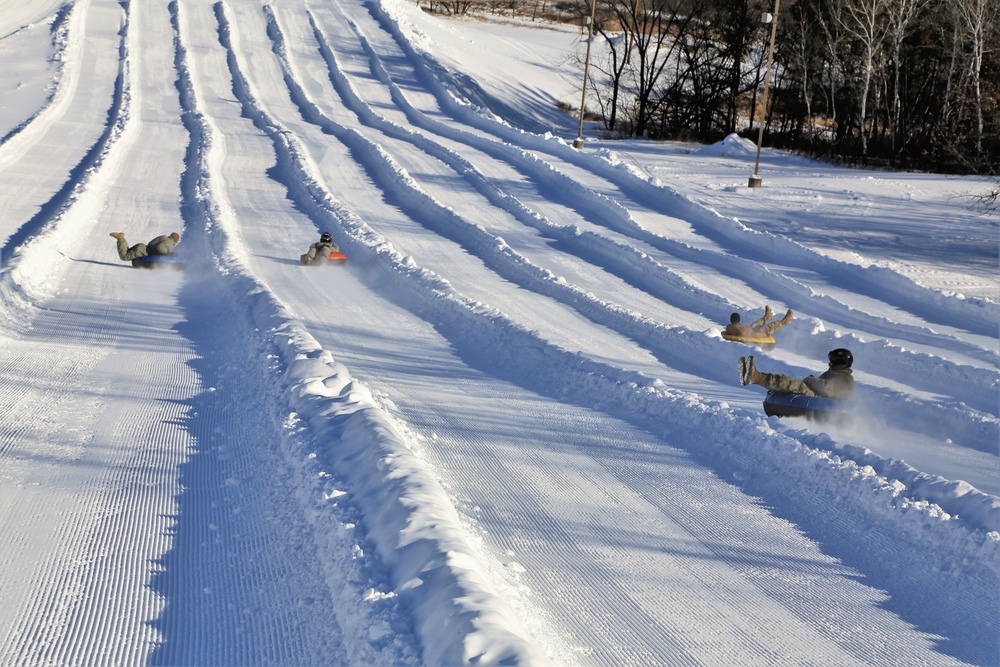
x=755 y=180
x=578 y=142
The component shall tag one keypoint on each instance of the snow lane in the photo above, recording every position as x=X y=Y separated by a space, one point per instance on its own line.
x=90 y=479
x=114 y=489
x=29 y=88
x=96 y=500
x=863 y=280
x=229 y=168
x=243 y=577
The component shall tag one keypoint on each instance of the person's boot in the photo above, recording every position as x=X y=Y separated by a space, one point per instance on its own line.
x=748 y=371
x=767 y=313
x=118 y=235
x=787 y=318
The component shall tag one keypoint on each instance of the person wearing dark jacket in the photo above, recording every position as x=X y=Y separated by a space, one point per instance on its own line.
x=758 y=328
x=161 y=245
x=321 y=248
x=837 y=382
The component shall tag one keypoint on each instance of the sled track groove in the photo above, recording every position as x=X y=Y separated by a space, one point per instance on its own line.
x=244 y=467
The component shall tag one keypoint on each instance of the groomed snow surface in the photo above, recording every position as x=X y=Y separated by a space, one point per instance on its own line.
x=508 y=431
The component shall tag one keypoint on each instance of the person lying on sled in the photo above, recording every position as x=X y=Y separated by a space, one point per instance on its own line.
x=758 y=328
x=837 y=382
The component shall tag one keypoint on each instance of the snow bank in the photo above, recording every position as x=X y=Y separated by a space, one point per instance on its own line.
x=732 y=146
x=407 y=514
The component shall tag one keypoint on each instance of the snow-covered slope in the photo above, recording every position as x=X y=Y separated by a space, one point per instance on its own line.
x=509 y=430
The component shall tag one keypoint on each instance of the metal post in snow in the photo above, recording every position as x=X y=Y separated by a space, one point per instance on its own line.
x=578 y=142
x=755 y=180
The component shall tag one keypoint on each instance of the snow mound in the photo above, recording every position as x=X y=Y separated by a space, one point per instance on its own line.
x=732 y=146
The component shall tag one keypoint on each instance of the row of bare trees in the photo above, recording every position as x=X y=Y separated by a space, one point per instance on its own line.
x=912 y=83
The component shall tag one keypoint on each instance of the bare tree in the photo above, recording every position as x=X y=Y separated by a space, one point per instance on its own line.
x=899 y=14
x=800 y=52
x=658 y=27
x=977 y=19
x=864 y=20
x=452 y=7
x=830 y=18
x=608 y=22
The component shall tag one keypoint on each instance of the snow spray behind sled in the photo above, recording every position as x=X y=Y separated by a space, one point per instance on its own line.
x=177 y=262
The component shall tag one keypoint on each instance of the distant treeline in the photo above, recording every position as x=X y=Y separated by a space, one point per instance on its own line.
x=903 y=83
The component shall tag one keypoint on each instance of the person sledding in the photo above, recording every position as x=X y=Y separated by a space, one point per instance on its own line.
x=160 y=246
x=826 y=398
x=323 y=250
x=760 y=328
x=836 y=383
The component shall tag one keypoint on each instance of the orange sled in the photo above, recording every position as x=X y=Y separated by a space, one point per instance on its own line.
x=334 y=258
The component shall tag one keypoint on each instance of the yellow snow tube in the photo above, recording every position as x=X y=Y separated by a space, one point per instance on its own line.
x=765 y=342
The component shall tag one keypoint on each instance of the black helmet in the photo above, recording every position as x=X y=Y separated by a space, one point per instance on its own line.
x=841 y=357
x=325 y=238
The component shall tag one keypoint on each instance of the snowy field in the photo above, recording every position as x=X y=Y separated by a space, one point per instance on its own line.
x=509 y=430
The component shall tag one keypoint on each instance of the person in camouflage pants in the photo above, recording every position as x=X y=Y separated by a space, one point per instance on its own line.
x=837 y=382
